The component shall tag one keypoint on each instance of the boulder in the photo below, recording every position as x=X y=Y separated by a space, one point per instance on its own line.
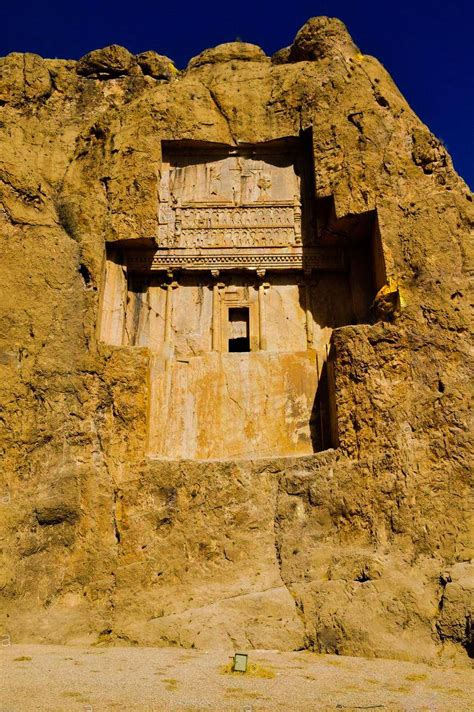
x=23 y=77
x=156 y=65
x=456 y=621
x=227 y=52
x=321 y=37
x=106 y=63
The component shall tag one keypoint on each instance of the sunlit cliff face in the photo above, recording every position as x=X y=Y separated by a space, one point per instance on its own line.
x=234 y=353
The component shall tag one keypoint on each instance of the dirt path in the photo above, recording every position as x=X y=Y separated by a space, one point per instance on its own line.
x=52 y=678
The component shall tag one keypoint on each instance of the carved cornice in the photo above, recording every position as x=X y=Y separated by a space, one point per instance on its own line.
x=313 y=258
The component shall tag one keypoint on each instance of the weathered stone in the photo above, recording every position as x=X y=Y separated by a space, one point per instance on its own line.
x=456 y=621
x=106 y=63
x=156 y=65
x=227 y=52
x=322 y=37
x=56 y=514
x=358 y=544
x=23 y=77
x=282 y=56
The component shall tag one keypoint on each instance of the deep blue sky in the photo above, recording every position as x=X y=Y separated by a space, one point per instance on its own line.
x=426 y=46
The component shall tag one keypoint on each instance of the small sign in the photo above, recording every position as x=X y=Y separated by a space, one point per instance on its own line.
x=240 y=662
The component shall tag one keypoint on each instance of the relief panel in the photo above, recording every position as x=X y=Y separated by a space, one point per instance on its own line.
x=231 y=202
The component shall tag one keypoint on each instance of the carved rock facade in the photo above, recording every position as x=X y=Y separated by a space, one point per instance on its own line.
x=235 y=355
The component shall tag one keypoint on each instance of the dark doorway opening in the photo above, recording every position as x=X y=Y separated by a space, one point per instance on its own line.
x=239 y=337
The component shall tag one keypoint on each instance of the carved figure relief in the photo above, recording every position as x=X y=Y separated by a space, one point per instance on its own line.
x=233 y=201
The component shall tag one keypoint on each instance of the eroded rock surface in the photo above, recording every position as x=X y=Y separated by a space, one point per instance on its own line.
x=362 y=549
x=107 y=63
x=156 y=65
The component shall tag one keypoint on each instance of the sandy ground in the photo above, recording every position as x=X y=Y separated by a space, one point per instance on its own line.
x=92 y=679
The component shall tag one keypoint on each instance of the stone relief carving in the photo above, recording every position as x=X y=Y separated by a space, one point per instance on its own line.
x=233 y=202
x=233 y=180
x=315 y=258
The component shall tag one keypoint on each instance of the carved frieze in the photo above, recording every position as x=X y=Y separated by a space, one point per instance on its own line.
x=234 y=237
x=329 y=258
x=246 y=216
x=236 y=226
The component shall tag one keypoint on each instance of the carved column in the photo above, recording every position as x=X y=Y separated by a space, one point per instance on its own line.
x=297 y=220
x=215 y=318
x=161 y=374
x=309 y=314
x=262 y=287
x=170 y=286
x=216 y=312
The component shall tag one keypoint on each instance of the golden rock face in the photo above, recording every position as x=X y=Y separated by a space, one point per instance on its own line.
x=155 y=482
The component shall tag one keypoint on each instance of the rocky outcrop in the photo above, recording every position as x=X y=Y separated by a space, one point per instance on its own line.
x=107 y=63
x=227 y=52
x=322 y=37
x=156 y=65
x=23 y=78
x=363 y=549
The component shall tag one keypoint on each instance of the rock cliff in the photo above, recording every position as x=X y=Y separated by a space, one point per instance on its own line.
x=363 y=549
